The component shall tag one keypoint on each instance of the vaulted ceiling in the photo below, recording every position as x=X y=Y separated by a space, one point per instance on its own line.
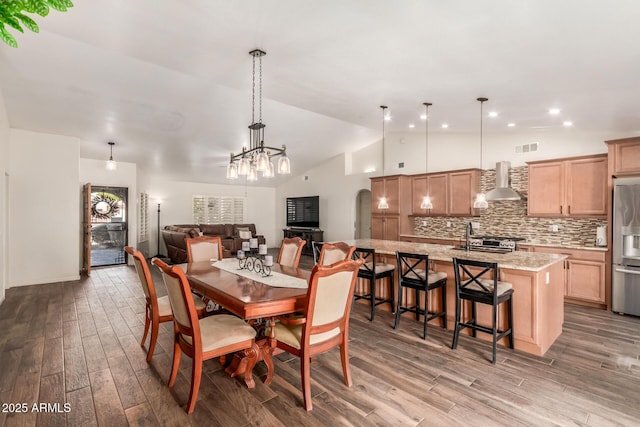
x=170 y=82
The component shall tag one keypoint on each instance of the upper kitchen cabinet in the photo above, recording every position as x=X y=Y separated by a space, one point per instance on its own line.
x=568 y=187
x=395 y=188
x=624 y=156
x=436 y=185
x=463 y=187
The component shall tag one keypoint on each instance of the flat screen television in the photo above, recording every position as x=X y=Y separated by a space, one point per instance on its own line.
x=303 y=211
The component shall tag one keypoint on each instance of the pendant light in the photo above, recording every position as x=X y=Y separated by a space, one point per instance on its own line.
x=383 y=203
x=481 y=199
x=426 y=200
x=111 y=164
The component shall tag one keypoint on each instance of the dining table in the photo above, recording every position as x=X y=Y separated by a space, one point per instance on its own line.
x=254 y=297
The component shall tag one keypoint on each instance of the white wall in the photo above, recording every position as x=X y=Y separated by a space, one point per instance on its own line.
x=44 y=217
x=460 y=151
x=4 y=165
x=95 y=172
x=177 y=200
x=337 y=193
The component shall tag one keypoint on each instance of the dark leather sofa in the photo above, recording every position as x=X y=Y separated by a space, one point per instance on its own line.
x=174 y=237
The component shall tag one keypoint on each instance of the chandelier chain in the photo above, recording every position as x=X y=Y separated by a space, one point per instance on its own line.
x=253 y=92
x=260 y=97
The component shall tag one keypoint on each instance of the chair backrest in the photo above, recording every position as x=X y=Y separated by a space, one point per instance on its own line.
x=316 y=247
x=368 y=255
x=142 y=268
x=290 y=251
x=412 y=268
x=204 y=248
x=472 y=277
x=334 y=252
x=184 y=310
x=329 y=299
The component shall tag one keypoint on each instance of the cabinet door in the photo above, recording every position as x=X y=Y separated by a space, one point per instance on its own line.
x=377 y=188
x=438 y=192
x=626 y=156
x=389 y=187
x=587 y=186
x=585 y=280
x=546 y=189
x=463 y=187
x=377 y=227
x=392 y=228
x=418 y=191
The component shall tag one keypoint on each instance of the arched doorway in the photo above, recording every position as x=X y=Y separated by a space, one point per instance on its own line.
x=363 y=215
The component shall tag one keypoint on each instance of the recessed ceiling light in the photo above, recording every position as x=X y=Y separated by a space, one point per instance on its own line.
x=412 y=126
x=554 y=111
x=444 y=125
x=567 y=124
x=511 y=125
x=423 y=116
x=493 y=114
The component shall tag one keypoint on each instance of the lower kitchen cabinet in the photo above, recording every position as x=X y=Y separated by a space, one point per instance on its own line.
x=584 y=275
x=385 y=227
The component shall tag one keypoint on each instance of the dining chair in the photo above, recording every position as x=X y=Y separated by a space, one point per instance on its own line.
x=413 y=273
x=334 y=252
x=324 y=323
x=157 y=310
x=290 y=251
x=316 y=248
x=477 y=282
x=202 y=339
x=204 y=248
x=372 y=271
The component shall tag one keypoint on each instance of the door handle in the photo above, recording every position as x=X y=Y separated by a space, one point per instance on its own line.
x=624 y=270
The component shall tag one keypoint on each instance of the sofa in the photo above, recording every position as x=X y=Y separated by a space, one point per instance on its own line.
x=232 y=236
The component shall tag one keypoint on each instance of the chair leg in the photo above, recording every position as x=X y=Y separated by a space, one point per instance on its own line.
x=147 y=322
x=511 y=335
x=426 y=312
x=443 y=291
x=495 y=333
x=196 y=374
x=154 y=339
x=418 y=306
x=456 y=328
x=177 y=352
x=305 y=375
x=344 y=358
x=372 y=297
x=391 y=292
x=473 y=318
x=398 y=308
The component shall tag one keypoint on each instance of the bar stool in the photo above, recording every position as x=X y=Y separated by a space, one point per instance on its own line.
x=373 y=271
x=420 y=279
x=472 y=287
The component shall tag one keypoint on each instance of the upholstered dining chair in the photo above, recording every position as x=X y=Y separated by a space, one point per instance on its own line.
x=290 y=251
x=202 y=339
x=157 y=310
x=316 y=248
x=334 y=252
x=324 y=324
x=204 y=248
x=477 y=282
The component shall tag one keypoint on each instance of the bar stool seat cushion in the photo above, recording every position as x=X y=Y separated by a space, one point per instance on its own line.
x=380 y=268
x=502 y=286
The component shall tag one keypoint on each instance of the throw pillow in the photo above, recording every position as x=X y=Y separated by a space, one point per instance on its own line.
x=244 y=234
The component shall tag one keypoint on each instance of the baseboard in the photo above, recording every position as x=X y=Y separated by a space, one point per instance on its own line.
x=45 y=281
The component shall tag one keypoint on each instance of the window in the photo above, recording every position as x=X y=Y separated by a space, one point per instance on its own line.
x=218 y=210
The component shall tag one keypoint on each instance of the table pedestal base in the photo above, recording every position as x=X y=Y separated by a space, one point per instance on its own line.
x=243 y=363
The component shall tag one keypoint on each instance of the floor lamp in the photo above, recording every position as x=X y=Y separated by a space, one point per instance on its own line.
x=158 y=254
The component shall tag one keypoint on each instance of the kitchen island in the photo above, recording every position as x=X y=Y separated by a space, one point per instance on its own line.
x=538 y=284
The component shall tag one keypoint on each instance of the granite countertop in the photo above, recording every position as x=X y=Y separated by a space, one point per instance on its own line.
x=518 y=260
x=528 y=242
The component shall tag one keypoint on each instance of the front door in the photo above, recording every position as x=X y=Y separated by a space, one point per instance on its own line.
x=108 y=225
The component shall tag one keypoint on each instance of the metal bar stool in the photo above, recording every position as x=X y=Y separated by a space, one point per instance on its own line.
x=373 y=271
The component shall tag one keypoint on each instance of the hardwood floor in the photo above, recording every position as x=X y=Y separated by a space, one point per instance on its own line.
x=78 y=343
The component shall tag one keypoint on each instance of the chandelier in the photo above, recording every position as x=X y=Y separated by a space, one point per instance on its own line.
x=257 y=157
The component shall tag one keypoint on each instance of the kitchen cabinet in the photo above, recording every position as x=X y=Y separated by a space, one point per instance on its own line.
x=584 y=275
x=624 y=156
x=385 y=227
x=568 y=187
x=452 y=193
x=389 y=223
x=436 y=185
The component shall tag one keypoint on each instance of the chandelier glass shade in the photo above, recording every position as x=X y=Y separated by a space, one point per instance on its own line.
x=481 y=199
x=111 y=164
x=257 y=157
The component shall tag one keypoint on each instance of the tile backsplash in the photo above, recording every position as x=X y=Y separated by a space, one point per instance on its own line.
x=509 y=218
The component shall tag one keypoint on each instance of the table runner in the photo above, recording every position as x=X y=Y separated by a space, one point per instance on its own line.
x=277 y=280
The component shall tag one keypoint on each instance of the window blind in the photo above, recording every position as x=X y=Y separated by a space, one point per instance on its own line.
x=218 y=210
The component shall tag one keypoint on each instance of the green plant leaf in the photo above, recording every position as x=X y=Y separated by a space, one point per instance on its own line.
x=28 y=22
x=57 y=5
x=7 y=38
x=41 y=7
x=30 y=6
x=13 y=22
x=67 y=3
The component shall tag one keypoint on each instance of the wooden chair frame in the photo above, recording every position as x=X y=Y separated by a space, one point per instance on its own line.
x=341 y=246
x=308 y=350
x=200 y=239
x=293 y=240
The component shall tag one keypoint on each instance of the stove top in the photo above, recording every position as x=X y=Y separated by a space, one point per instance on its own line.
x=494 y=242
x=499 y=238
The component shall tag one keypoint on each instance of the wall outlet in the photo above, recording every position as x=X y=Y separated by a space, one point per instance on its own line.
x=475 y=225
x=546 y=279
x=449 y=224
x=554 y=228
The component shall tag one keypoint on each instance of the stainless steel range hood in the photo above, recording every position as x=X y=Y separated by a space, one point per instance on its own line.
x=502 y=190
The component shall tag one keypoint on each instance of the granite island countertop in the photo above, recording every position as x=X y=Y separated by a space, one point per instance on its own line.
x=518 y=260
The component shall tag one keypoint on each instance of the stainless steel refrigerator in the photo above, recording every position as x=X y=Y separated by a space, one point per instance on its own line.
x=626 y=246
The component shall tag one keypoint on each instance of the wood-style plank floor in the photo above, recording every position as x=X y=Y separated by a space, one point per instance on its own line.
x=78 y=343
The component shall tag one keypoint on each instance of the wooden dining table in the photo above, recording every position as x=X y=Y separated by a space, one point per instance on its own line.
x=249 y=299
